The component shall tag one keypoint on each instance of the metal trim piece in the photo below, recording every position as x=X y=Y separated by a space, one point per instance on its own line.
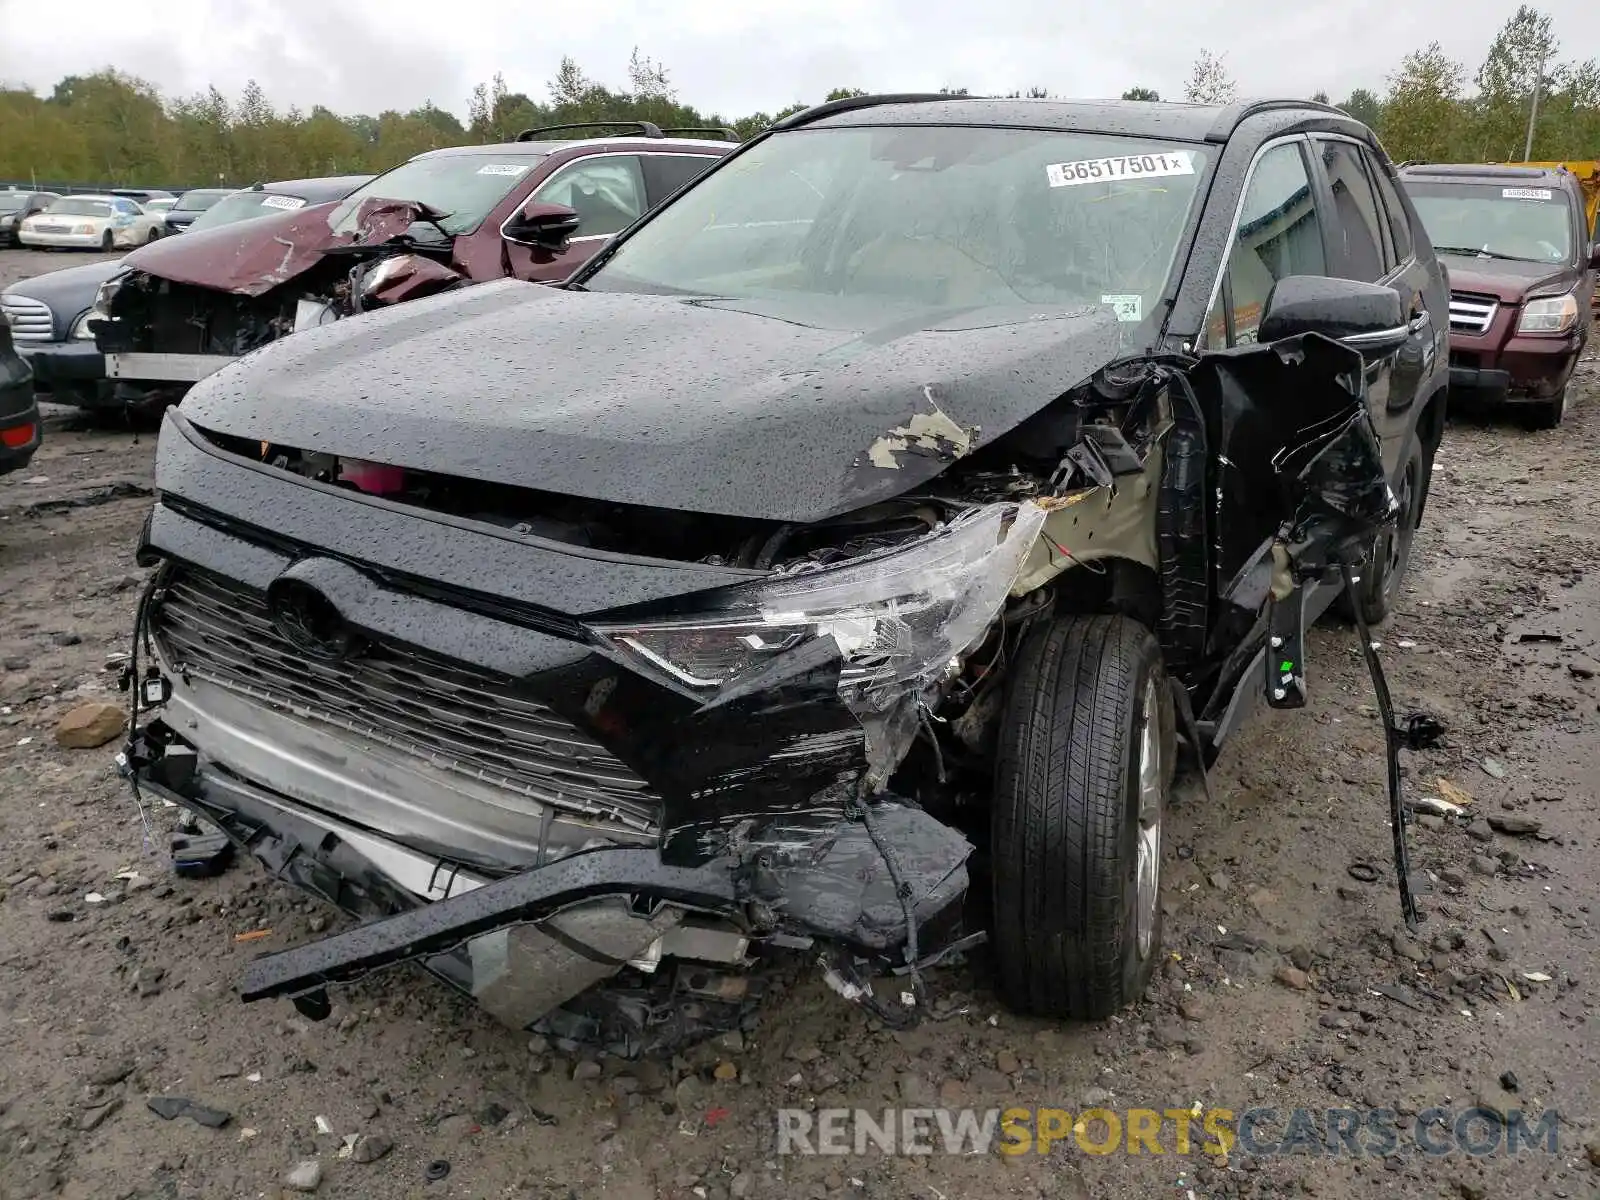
x=176 y=368
x=443 y=925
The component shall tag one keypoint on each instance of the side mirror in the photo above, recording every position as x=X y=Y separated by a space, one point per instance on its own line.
x=542 y=226
x=1365 y=316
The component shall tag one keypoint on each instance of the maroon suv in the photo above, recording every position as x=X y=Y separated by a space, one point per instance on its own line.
x=1522 y=279
x=533 y=209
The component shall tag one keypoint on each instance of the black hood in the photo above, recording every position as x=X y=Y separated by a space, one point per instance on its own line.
x=743 y=409
x=68 y=292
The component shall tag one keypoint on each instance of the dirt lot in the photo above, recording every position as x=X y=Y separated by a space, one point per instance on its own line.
x=107 y=1003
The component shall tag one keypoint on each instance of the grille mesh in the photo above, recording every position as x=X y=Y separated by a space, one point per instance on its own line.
x=453 y=716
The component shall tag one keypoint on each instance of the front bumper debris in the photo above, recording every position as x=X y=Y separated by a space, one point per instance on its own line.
x=536 y=893
x=530 y=941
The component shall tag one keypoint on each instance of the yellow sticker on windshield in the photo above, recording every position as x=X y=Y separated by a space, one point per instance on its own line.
x=1120 y=166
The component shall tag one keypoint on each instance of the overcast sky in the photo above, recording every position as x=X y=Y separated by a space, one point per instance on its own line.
x=736 y=58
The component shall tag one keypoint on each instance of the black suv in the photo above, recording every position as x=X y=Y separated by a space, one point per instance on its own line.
x=914 y=479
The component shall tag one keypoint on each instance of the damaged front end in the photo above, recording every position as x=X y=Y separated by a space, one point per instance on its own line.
x=588 y=761
x=184 y=310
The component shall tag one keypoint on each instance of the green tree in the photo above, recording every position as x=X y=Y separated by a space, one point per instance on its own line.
x=1422 y=114
x=1364 y=106
x=844 y=93
x=1141 y=93
x=1517 y=63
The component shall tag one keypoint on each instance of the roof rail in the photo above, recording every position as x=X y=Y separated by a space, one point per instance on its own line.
x=649 y=129
x=722 y=131
x=818 y=111
x=1230 y=117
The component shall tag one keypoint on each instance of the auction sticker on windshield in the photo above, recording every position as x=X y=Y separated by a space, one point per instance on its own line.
x=502 y=169
x=1525 y=193
x=282 y=202
x=1127 y=307
x=1120 y=166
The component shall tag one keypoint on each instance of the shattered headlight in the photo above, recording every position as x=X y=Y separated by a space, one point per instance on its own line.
x=104 y=295
x=901 y=620
x=1549 y=314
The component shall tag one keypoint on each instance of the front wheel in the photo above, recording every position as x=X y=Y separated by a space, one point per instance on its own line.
x=1547 y=414
x=155 y=235
x=1384 y=572
x=108 y=241
x=1084 y=764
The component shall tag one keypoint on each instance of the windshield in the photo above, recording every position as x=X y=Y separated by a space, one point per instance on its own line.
x=1531 y=223
x=933 y=216
x=72 y=206
x=13 y=201
x=243 y=206
x=194 y=201
x=466 y=186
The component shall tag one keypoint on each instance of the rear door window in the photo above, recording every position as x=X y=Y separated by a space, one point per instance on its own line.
x=666 y=173
x=1399 y=219
x=1357 y=228
x=1279 y=234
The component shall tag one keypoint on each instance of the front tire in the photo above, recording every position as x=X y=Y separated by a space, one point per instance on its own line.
x=1084 y=764
x=1384 y=572
x=1547 y=414
x=108 y=242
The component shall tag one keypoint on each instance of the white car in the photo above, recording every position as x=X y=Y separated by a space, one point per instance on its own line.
x=92 y=223
x=161 y=205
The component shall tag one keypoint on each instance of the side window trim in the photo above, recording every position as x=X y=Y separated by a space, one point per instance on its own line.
x=570 y=164
x=1391 y=258
x=1288 y=139
x=1399 y=215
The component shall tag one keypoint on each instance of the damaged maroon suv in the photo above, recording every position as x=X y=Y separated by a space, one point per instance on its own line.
x=884 y=514
x=1522 y=280
x=533 y=209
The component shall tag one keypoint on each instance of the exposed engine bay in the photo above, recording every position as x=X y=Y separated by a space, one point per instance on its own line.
x=162 y=316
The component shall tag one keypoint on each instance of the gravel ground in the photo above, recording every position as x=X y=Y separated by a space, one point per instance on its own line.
x=1269 y=997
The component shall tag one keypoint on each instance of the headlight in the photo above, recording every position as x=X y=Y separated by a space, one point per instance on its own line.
x=105 y=293
x=1550 y=314
x=83 y=229
x=80 y=327
x=901 y=621
x=7 y=222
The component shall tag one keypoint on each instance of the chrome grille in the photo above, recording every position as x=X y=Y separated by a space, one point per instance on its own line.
x=453 y=716
x=1471 y=314
x=29 y=319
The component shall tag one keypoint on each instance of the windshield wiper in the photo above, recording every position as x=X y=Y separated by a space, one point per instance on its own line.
x=1482 y=252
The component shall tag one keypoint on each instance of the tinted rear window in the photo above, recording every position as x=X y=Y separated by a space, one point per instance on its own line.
x=197 y=201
